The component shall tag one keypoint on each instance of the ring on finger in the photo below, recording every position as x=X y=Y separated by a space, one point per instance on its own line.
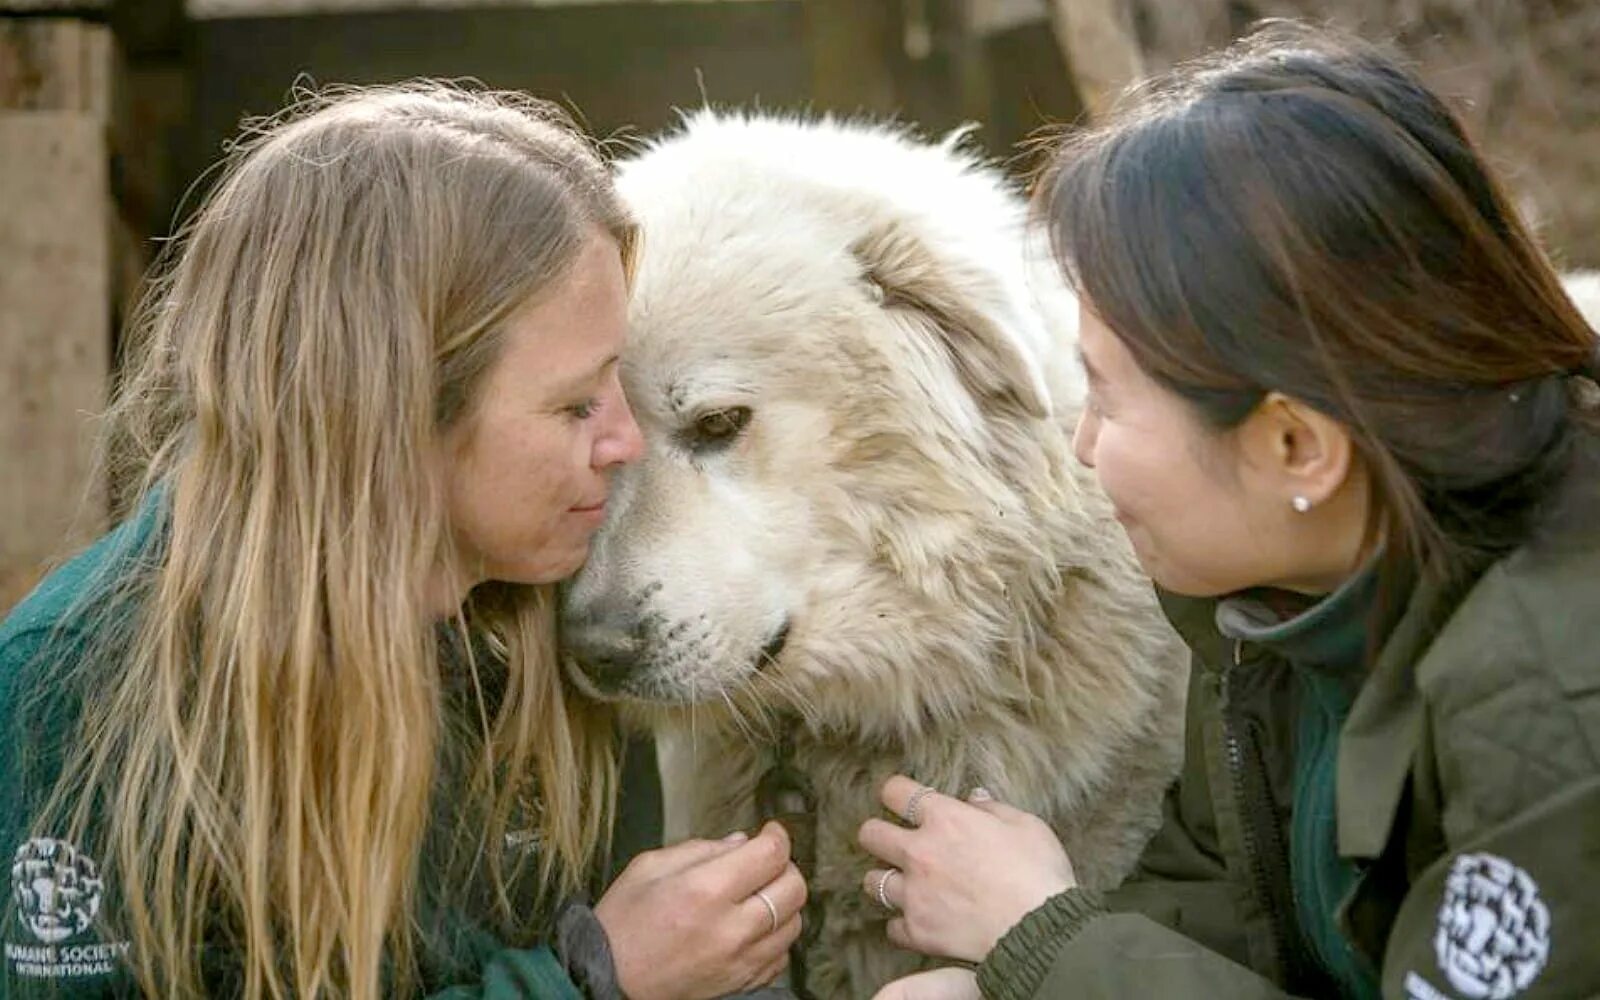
x=772 y=909
x=914 y=805
x=882 y=891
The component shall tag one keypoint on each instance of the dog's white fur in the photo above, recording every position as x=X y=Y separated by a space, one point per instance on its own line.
x=960 y=604
x=1583 y=287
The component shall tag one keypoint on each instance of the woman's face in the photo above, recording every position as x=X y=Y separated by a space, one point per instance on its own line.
x=1207 y=513
x=529 y=463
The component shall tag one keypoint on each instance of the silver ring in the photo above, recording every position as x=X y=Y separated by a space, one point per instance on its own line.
x=772 y=910
x=883 y=890
x=914 y=806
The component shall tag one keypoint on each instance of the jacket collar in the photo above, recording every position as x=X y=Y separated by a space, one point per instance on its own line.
x=1380 y=739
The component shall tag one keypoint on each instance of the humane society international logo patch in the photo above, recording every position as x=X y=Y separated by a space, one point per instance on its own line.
x=1494 y=930
x=56 y=891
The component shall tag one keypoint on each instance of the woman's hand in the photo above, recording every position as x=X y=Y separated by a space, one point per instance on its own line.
x=689 y=921
x=965 y=874
x=940 y=984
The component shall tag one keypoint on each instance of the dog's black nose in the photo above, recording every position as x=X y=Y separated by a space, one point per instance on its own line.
x=607 y=642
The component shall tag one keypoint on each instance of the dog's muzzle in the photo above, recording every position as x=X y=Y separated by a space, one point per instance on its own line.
x=608 y=643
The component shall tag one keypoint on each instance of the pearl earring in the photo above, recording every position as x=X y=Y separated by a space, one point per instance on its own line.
x=1300 y=505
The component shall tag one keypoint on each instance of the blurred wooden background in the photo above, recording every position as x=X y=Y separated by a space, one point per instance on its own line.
x=111 y=109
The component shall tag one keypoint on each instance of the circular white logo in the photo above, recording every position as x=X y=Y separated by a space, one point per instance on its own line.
x=57 y=888
x=1494 y=931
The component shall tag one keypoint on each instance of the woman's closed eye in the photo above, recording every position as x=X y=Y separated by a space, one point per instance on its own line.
x=583 y=410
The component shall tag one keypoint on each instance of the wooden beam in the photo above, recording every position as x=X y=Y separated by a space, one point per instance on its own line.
x=61 y=7
x=848 y=43
x=55 y=301
x=205 y=9
x=56 y=64
x=1097 y=39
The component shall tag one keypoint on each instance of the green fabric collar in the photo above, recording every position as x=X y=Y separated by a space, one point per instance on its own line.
x=1330 y=636
x=1379 y=737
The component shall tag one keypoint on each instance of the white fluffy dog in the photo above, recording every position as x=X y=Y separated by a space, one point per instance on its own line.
x=859 y=543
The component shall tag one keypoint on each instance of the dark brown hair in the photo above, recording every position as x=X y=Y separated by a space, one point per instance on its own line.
x=1301 y=214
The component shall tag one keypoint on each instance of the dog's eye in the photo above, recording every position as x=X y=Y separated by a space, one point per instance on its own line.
x=717 y=429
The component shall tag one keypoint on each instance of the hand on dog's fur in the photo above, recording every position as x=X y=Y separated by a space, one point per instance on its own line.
x=966 y=873
x=940 y=984
x=685 y=922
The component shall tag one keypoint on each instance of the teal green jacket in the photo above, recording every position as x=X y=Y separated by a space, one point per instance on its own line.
x=54 y=929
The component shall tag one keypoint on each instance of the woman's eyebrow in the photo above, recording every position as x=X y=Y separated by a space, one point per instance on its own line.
x=583 y=381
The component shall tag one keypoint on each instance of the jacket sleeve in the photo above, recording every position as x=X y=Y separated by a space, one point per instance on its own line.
x=1513 y=912
x=1510 y=905
x=1172 y=929
x=51 y=942
x=1073 y=947
x=518 y=974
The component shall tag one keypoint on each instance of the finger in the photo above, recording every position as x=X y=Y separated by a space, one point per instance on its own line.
x=899 y=934
x=982 y=798
x=678 y=857
x=885 y=841
x=885 y=884
x=769 y=975
x=898 y=792
x=746 y=867
x=779 y=942
x=772 y=949
x=786 y=893
x=947 y=983
x=771 y=957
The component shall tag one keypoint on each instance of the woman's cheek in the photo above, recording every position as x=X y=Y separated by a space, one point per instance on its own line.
x=1111 y=467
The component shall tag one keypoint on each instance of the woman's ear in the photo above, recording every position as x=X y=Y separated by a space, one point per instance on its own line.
x=1302 y=452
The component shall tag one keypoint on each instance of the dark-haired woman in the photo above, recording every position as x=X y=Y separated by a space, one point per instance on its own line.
x=1346 y=414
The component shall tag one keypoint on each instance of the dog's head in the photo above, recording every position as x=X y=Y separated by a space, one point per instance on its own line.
x=841 y=371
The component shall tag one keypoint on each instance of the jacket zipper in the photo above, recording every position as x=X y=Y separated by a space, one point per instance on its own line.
x=1264 y=846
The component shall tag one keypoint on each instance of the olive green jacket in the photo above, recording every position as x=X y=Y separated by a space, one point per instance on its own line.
x=1468 y=795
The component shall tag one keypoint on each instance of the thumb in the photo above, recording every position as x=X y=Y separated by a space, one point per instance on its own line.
x=689 y=853
x=897 y=990
x=982 y=798
x=938 y=984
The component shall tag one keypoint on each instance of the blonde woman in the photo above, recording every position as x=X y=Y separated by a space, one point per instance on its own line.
x=296 y=728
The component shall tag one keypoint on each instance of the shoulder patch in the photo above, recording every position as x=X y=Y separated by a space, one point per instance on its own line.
x=57 y=892
x=1493 y=937
x=56 y=887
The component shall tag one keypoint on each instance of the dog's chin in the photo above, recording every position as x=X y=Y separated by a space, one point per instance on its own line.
x=649 y=686
x=711 y=687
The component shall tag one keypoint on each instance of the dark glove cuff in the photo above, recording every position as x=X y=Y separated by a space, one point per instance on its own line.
x=584 y=951
x=1022 y=958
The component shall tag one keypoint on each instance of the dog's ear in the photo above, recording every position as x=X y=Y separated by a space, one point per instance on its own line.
x=983 y=325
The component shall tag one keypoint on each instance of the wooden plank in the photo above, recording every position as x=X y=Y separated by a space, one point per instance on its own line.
x=56 y=64
x=204 y=9
x=1097 y=39
x=52 y=6
x=848 y=43
x=54 y=335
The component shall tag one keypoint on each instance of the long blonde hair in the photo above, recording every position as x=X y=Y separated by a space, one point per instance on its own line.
x=259 y=763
